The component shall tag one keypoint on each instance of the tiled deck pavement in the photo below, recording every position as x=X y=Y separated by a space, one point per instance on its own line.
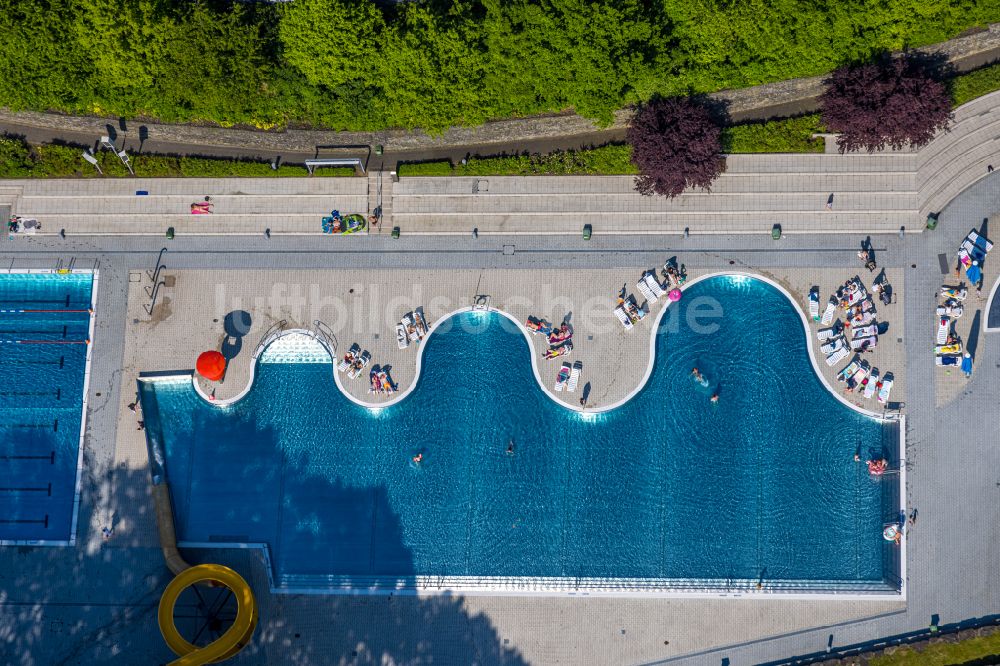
x=190 y=314
x=951 y=382
x=101 y=606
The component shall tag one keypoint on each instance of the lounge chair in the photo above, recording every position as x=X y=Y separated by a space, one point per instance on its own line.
x=864 y=319
x=411 y=330
x=419 y=323
x=562 y=377
x=345 y=362
x=356 y=369
x=827 y=333
x=975 y=246
x=814 y=303
x=947 y=360
x=949 y=350
x=864 y=331
x=870 y=386
x=646 y=292
x=944 y=325
x=958 y=293
x=833 y=345
x=869 y=342
x=654 y=285
x=859 y=376
x=574 y=376
x=849 y=371
x=561 y=350
x=885 y=386
x=837 y=356
x=401 y=338
x=831 y=309
x=952 y=309
x=623 y=317
x=633 y=310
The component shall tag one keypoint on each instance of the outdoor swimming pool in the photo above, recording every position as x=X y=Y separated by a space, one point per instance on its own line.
x=667 y=490
x=45 y=326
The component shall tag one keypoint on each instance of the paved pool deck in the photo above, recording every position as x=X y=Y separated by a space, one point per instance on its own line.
x=96 y=602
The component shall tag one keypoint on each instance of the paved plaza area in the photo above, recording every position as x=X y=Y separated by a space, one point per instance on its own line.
x=96 y=602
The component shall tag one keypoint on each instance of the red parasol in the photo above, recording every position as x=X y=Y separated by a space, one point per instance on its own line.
x=211 y=365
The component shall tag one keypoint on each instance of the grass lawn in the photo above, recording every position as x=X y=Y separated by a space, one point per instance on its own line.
x=946 y=654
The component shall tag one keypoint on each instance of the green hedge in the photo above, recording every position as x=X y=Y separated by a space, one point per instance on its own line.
x=791 y=135
x=967 y=87
x=367 y=65
x=982 y=649
x=21 y=160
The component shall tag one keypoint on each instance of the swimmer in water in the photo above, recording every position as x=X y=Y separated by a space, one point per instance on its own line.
x=419 y=458
x=715 y=398
x=695 y=373
x=510 y=448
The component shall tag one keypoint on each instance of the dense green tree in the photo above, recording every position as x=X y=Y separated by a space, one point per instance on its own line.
x=352 y=64
x=331 y=42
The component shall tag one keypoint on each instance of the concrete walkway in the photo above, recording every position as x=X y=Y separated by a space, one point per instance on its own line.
x=872 y=193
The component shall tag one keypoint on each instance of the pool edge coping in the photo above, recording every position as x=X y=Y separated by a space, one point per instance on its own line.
x=376 y=407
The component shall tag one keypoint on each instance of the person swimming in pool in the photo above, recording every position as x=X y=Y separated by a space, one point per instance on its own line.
x=419 y=458
x=696 y=374
x=510 y=448
x=715 y=398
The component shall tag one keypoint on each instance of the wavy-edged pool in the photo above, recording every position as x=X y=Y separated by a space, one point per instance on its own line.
x=667 y=491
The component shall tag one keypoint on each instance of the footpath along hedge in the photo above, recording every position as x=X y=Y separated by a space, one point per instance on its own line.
x=367 y=65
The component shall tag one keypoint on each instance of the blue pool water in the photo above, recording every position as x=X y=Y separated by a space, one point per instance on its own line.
x=667 y=486
x=42 y=366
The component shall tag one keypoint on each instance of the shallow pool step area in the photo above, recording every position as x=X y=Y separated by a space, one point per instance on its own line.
x=296 y=347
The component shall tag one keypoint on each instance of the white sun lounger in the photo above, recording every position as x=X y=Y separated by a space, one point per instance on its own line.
x=837 y=356
x=654 y=285
x=864 y=331
x=860 y=375
x=953 y=311
x=411 y=330
x=866 y=318
x=858 y=343
x=401 y=338
x=574 y=376
x=826 y=333
x=870 y=386
x=345 y=364
x=366 y=357
x=831 y=309
x=849 y=371
x=814 y=304
x=958 y=293
x=944 y=325
x=646 y=292
x=562 y=377
x=883 y=392
x=623 y=317
x=833 y=345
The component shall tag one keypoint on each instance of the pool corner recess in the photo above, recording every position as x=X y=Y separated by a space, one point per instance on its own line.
x=668 y=494
x=45 y=374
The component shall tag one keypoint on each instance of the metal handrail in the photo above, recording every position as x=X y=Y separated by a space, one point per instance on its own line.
x=321 y=330
x=152 y=297
x=269 y=336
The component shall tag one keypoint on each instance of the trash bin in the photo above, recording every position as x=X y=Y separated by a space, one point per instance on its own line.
x=170 y=233
x=776 y=232
x=932 y=220
x=587 y=231
x=395 y=232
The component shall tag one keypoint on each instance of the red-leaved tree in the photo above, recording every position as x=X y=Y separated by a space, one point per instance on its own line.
x=894 y=102
x=675 y=145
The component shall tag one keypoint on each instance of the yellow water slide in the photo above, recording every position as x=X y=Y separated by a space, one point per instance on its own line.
x=231 y=642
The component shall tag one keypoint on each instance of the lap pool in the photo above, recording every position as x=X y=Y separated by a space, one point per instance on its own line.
x=46 y=325
x=665 y=492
